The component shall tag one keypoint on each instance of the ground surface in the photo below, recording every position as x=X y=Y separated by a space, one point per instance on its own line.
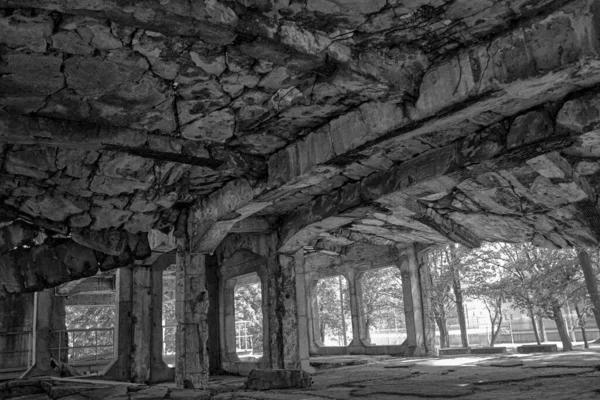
x=573 y=375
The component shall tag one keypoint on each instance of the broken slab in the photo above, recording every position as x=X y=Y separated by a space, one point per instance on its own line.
x=538 y=348
x=266 y=379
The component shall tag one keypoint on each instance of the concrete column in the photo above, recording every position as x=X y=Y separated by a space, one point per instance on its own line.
x=411 y=293
x=212 y=285
x=120 y=368
x=141 y=324
x=283 y=313
x=263 y=274
x=159 y=370
x=146 y=352
x=427 y=300
x=357 y=311
x=227 y=316
x=191 y=309
x=302 y=304
x=313 y=312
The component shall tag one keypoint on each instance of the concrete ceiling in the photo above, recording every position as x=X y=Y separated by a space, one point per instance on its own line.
x=334 y=121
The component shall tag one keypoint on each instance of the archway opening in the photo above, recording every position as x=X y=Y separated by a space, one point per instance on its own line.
x=383 y=306
x=333 y=302
x=248 y=317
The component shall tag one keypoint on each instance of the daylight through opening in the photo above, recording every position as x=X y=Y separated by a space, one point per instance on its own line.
x=333 y=302
x=248 y=317
x=169 y=322
x=383 y=306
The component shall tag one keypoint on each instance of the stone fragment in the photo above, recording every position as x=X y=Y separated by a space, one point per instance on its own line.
x=71 y=42
x=94 y=77
x=580 y=115
x=100 y=36
x=106 y=218
x=189 y=110
x=26 y=80
x=213 y=65
x=140 y=222
x=260 y=143
x=587 y=168
x=528 y=128
x=217 y=126
x=55 y=206
x=31 y=161
x=23 y=30
x=80 y=221
x=266 y=379
x=15 y=235
x=111 y=242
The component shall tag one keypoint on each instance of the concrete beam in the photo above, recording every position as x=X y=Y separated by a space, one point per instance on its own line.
x=25 y=130
x=91 y=299
x=216 y=214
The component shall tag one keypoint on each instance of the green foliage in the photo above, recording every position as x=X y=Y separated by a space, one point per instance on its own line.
x=85 y=317
x=168 y=312
x=330 y=310
x=537 y=279
x=248 y=307
x=382 y=298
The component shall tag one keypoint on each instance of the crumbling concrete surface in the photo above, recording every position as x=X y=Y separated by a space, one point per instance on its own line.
x=265 y=379
x=534 y=376
x=380 y=122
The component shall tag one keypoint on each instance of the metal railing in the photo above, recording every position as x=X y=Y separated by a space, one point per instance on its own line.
x=16 y=354
x=243 y=339
x=81 y=345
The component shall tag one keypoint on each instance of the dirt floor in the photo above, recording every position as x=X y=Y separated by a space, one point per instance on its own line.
x=573 y=375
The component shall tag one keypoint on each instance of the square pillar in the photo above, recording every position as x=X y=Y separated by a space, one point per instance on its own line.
x=413 y=306
x=120 y=368
x=302 y=307
x=141 y=324
x=288 y=313
x=159 y=370
x=427 y=301
x=313 y=314
x=359 y=337
x=191 y=309
x=147 y=365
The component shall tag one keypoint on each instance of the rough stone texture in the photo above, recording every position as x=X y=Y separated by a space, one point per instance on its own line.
x=116 y=115
x=352 y=127
x=266 y=379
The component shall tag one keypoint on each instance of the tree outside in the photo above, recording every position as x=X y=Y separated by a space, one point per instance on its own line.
x=383 y=306
x=248 y=318
x=335 y=322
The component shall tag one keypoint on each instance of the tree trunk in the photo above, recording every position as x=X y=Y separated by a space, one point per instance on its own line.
x=496 y=332
x=562 y=328
x=322 y=331
x=534 y=325
x=460 y=309
x=542 y=330
x=444 y=339
x=582 y=327
x=590 y=283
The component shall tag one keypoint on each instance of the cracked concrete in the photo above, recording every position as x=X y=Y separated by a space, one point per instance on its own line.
x=555 y=376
